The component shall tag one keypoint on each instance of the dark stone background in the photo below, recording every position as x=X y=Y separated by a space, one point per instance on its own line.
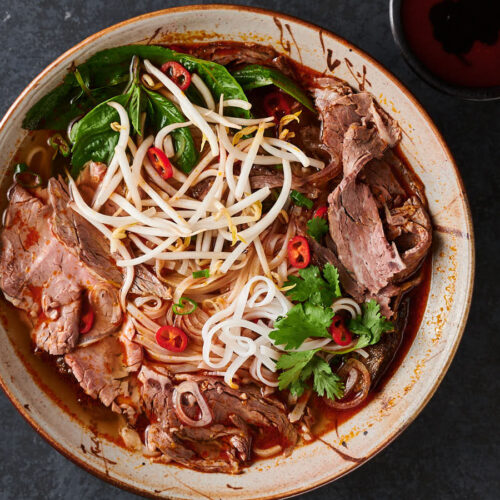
x=452 y=449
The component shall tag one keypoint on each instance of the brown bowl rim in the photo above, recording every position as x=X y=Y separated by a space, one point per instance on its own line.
x=234 y=7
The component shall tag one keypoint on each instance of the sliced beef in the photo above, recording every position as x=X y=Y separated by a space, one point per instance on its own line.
x=92 y=248
x=339 y=109
x=249 y=53
x=133 y=354
x=249 y=406
x=229 y=435
x=409 y=226
x=98 y=369
x=380 y=235
x=201 y=189
x=216 y=448
x=104 y=301
x=354 y=220
x=383 y=184
x=89 y=179
x=38 y=275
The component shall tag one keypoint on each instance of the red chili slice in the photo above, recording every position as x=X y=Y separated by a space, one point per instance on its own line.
x=86 y=322
x=276 y=105
x=178 y=73
x=171 y=338
x=160 y=162
x=340 y=333
x=299 y=254
x=321 y=212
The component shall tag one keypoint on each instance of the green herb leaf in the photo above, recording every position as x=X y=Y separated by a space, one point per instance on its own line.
x=204 y=273
x=300 y=200
x=136 y=106
x=317 y=227
x=106 y=74
x=292 y=365
x=298 y=367
x=92 y=136
x=370 y=325
x=302 y=321
x=216 y=77
x=54 y=110
x=325 y=381
x=331 y=274
x=313 y=288
x=162 y=112
x=254 y=76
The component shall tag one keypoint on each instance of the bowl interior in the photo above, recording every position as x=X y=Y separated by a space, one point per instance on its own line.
x=424 y=366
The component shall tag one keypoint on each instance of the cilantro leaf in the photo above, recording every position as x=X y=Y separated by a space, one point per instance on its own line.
x=325 y=381
x=332 y=276
x=370 y=325
x=317 y=227
x=302 y=321
x=292 y=365
x=313 y=288
x=299 y=367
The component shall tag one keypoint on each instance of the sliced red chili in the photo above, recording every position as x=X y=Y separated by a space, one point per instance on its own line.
x=321 y=212
x=171 y=338
x=299 y=254
x=340 y=333
x=276 y=105
x=178 y=73
x=86 y=322
x=160 y=162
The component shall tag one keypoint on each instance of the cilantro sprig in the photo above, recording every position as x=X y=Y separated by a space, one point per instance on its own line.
x=315 y=290
x=370 y=325
x=314 y=287
x=317 y=227
x=299 y=367
x=301 y=322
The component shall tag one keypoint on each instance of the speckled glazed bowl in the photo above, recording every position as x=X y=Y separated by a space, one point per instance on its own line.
x=405 y=394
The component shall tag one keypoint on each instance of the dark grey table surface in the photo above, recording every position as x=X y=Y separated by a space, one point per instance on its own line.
x=452 y=449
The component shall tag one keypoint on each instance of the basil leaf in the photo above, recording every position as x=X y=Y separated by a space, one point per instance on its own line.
x=92 y=136
x=56 y=109
x=162 y=112
x=216 y=77
x=255 y=76
x=136 y=106
x=42 y=115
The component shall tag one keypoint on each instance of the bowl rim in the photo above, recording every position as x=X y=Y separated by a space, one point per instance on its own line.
x=464 y=92
x=471 y=264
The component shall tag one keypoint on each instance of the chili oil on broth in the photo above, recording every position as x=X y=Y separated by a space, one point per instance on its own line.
x=54 y=378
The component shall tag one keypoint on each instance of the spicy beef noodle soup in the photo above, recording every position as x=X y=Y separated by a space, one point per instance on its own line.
x=215 y=244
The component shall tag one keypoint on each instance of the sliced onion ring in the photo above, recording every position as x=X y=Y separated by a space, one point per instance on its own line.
x=189 y=386
x=351 y=371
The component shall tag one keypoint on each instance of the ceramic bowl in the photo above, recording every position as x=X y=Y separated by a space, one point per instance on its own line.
x=423 y=368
